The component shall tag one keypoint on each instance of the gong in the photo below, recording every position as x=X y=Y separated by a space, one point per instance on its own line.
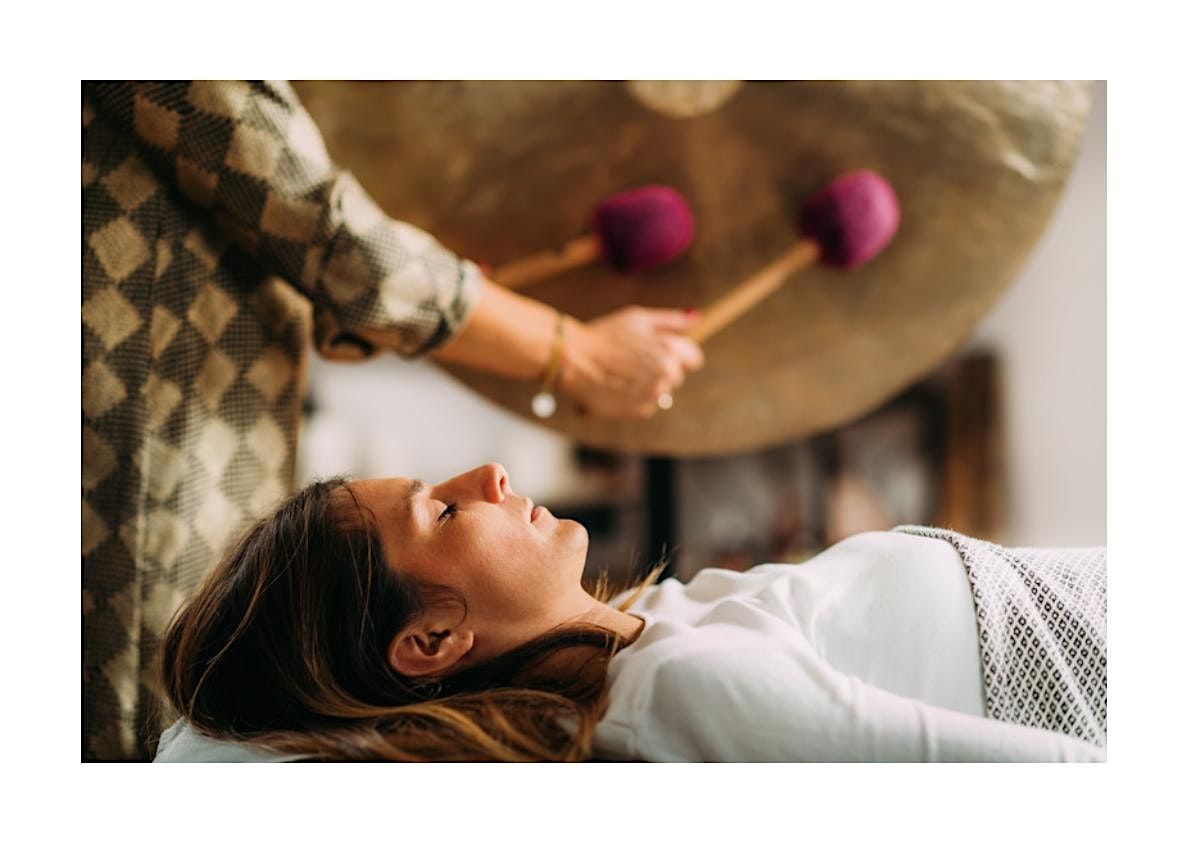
x=500 y=170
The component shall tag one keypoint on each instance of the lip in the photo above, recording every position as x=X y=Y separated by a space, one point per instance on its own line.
x=537 y=511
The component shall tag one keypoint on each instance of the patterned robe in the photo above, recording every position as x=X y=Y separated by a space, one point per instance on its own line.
x=218 y=238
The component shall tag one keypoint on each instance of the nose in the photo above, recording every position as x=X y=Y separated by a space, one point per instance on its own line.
x=494 y=482
x=488 y=482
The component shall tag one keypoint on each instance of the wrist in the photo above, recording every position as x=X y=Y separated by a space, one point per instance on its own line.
x=544 y=402
x=575 y=344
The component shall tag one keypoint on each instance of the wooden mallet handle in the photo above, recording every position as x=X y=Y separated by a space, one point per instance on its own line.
x=542 y=265
x=755 y=288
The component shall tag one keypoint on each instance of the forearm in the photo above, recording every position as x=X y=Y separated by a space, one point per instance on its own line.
x=506 y=334
x=886 y=726
x=740 y=700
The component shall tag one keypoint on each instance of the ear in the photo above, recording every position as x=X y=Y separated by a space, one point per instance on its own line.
x=426 y=649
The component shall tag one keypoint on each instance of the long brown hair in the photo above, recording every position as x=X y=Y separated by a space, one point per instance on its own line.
x=285 y=643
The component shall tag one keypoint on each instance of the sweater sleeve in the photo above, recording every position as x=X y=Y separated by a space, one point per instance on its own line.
x=750 y=704
x=251 y=156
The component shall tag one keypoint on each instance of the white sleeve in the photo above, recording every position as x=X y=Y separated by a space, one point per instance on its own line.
x=757 y=704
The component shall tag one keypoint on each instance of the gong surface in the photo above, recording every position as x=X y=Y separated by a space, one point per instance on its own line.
x=499 y=170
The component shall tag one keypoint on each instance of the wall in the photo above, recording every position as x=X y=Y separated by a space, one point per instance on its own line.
x=1050 y=331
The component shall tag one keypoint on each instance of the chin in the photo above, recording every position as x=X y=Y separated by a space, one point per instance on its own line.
x=577 y=528
x=577 y=533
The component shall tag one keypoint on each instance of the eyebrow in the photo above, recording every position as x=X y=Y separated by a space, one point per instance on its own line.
x=416 y=487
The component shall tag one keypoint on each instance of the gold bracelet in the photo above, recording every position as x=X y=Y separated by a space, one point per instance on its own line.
x=544 y=404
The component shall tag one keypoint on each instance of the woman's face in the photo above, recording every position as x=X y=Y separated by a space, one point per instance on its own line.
x=517 y=565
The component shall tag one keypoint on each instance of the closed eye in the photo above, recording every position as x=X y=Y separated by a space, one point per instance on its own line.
x=450 y=510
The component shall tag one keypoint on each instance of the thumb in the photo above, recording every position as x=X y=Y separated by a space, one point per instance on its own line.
x=673 y=319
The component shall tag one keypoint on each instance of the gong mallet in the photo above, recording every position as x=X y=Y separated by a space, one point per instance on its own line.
x=633 y=230
x=845 y=225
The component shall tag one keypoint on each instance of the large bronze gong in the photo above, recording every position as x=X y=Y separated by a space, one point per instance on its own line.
x=498 y=170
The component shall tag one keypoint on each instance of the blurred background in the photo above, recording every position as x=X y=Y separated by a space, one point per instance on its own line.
x=1005 y=440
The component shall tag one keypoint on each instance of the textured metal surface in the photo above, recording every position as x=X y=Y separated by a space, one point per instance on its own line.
x=497 y=170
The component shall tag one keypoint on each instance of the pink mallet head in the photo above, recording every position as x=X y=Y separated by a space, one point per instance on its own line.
x=852 y=218
x=644 y=227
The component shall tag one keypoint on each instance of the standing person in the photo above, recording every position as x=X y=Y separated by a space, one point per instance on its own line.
x=218 y=237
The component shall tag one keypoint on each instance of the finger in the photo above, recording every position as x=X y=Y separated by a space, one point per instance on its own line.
x=672 y=319
x=646 y=410
x=663 y=373
x=634 y=410
x=687 y=352
x=675 y=374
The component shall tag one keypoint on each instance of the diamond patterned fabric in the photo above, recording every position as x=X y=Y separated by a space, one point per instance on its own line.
x=1042 y=617
x=217 y=238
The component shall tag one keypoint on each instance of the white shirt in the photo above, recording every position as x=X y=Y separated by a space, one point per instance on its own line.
x=867 y=652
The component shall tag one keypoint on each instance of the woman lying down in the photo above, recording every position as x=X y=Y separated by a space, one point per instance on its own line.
x=396 y=620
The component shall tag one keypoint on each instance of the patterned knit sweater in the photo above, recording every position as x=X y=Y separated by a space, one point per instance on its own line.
x=218 y=239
